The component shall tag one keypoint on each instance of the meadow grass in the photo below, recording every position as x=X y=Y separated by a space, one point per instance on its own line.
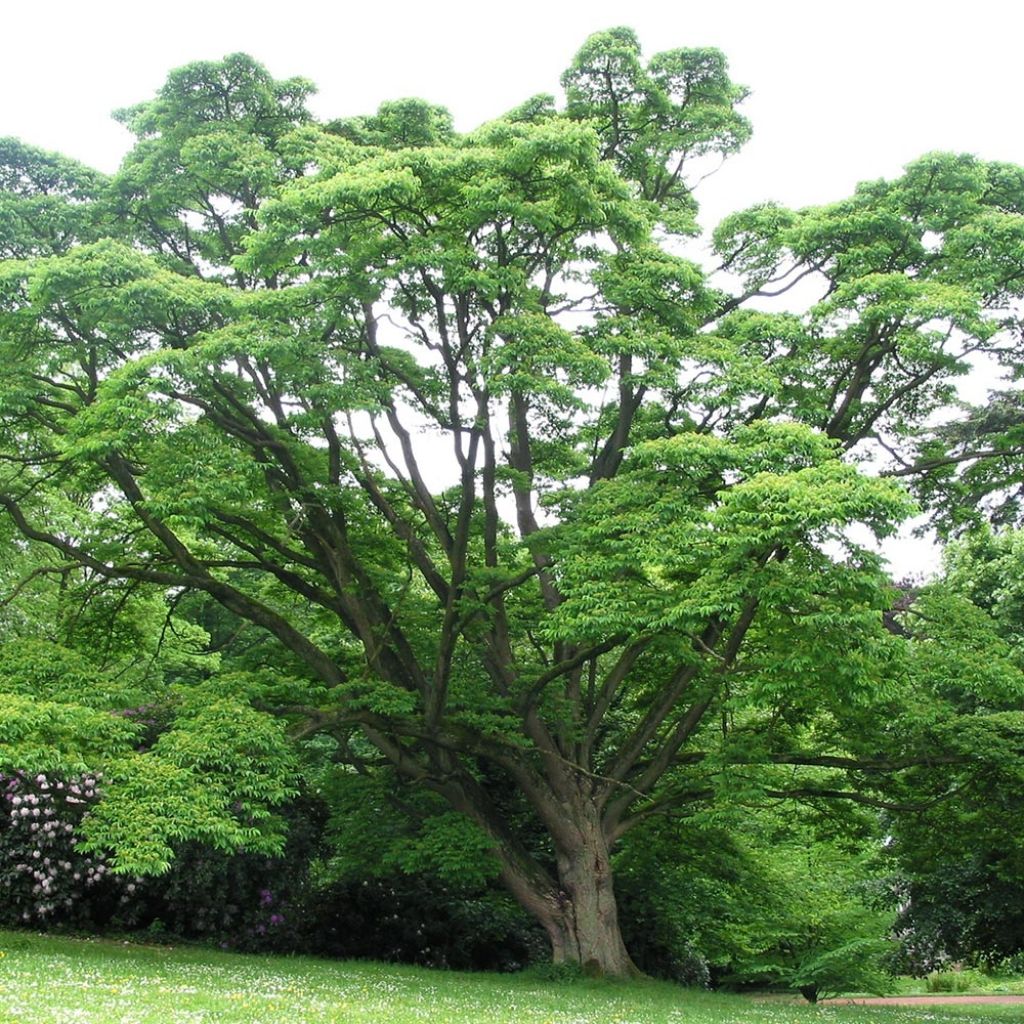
x=55 y=980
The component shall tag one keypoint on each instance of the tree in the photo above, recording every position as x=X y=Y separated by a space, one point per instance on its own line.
x=765 y=896
x=546 y=523
x=819 y=936
x=961 y=861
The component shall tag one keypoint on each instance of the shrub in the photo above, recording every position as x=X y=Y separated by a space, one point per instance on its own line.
x=44 y=878
x=239 y=900
x=954 y=981
x=415 y=919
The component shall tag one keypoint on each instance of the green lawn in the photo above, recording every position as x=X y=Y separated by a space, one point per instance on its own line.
x=74 y=981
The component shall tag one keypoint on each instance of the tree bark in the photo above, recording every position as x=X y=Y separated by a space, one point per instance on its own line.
x=588 y=924
x=579 y=911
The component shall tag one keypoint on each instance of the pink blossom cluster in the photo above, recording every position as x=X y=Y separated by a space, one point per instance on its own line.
x=43 y=875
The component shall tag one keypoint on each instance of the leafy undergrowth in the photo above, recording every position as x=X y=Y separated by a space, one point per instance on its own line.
x=47 y=980
x=961 y=983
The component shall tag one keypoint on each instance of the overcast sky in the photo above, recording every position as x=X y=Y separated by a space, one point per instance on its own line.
x=841 y=92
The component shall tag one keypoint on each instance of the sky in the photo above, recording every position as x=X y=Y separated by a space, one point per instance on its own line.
x=840 y=92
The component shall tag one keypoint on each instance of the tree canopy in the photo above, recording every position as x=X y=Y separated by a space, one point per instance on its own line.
x=543 y=517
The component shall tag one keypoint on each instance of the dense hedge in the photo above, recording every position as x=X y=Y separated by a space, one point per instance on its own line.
x=243 y=901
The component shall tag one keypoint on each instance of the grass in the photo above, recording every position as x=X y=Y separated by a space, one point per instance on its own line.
x=48 y=980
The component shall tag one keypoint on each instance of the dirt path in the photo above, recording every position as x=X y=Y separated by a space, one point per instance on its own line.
x=926 y=1001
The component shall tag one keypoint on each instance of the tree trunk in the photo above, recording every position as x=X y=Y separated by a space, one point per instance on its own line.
x=580 y=915
x=575 y=904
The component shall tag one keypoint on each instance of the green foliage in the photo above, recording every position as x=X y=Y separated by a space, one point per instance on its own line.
x=52 y=736
x=46 y=201
x=152 y=804
x=819 y=937
x=777 y=897
x=192 y=761
x=960 y=861
x=652 y=120
x=398 y=124
x=378 y=829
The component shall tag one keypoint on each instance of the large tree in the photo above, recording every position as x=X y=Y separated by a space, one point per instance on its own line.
x=546 y=522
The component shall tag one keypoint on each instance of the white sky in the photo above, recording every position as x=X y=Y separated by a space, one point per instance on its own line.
x=842 y=92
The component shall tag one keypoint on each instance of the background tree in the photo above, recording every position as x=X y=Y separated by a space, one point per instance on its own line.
x=765 y=896
x=551 y=527
x=960 y=860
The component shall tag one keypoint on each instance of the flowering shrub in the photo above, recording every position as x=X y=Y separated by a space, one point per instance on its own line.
x=238 y=901
x=44 y=878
